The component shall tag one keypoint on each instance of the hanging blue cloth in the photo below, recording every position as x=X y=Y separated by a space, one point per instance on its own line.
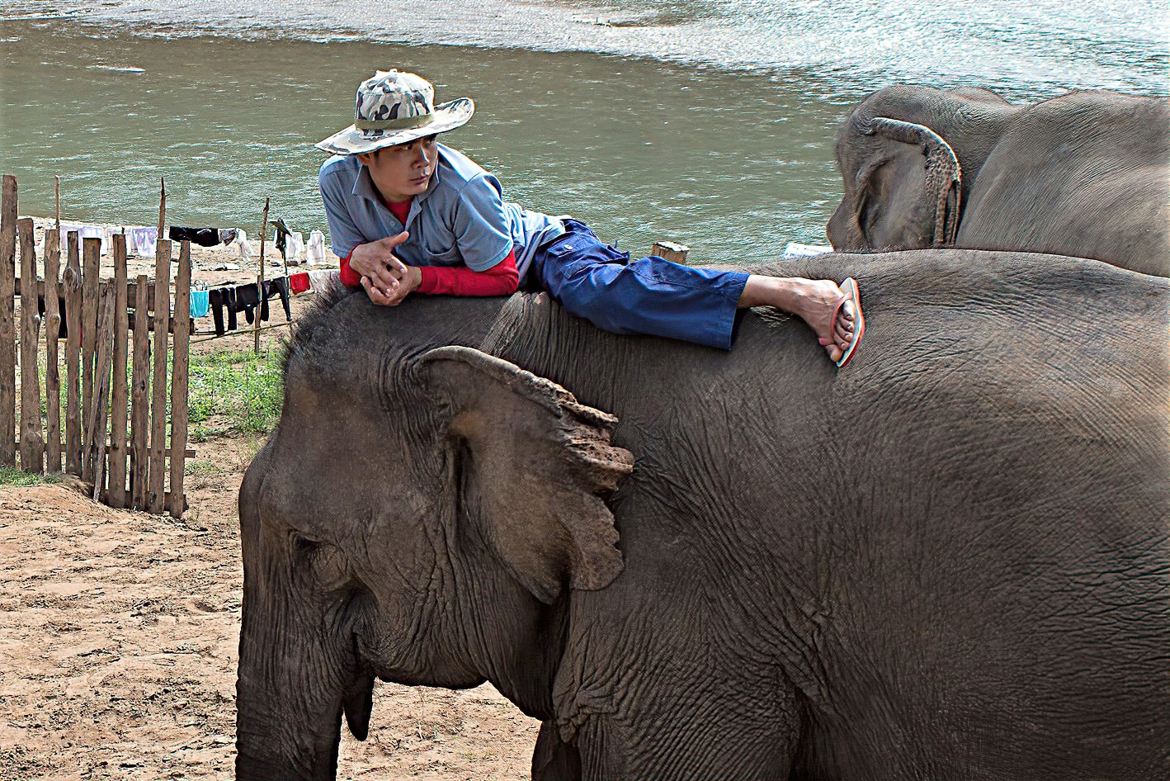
x=199 y=303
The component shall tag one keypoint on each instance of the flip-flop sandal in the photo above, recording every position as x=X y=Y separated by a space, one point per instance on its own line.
x=851 y=293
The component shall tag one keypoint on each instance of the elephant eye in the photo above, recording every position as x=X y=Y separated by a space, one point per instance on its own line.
x=323 y=562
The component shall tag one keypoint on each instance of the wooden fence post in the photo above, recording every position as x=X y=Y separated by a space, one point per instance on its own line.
x=175 y=500
x=156 y=498
x=96 y=439
x=91 y=251
x=52 y=368
x=116 y=494
x=668 y=250
x=140 y=416
x=260 y=281
x=32 y=446
x=7 y=324
x=71 y=280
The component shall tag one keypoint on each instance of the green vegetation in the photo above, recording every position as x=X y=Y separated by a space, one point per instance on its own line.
x=234 y=393
x=11 y=476
x=229 y=393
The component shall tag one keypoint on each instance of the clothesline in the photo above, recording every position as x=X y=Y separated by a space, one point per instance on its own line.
x=141 y=240
x=225 y=302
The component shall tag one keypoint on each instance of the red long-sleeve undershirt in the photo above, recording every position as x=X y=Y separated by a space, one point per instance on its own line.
x=501 y=279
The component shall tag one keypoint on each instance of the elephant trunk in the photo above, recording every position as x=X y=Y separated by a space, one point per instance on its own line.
x=289 y=699
x=298 y=666
x=944 y=175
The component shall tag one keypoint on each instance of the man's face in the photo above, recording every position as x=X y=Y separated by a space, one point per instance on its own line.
x=402 y=171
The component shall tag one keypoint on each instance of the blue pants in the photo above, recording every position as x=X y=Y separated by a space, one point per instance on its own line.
x=651 y=296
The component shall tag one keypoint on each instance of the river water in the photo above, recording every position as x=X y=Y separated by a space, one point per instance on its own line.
x=709 y=123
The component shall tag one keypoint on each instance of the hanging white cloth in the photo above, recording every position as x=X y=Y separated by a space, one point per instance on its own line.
x=145 y=241
x=94 y=232
x=241 y=243
x=295 y=248
x=315 y=249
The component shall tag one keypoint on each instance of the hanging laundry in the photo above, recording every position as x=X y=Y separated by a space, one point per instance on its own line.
x=315 y=249
x=204 y=237
x=200 y=303
x=95 y=232
x=241 y=241
x=279 y=287
x=220 y=299
x=248 y=299
x=282 y=234
x=299 y=283
x=296 y=248
x=145 y=241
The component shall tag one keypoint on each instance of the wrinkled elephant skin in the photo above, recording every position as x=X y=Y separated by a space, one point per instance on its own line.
x=949 y=561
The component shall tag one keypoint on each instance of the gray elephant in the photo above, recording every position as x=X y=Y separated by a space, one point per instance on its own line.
x=951 y=561
x=1085 y=174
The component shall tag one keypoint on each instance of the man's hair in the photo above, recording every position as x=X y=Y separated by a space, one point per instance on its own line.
x=380 y=149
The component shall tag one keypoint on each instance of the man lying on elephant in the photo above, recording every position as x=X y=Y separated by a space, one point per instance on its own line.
x=408 y=214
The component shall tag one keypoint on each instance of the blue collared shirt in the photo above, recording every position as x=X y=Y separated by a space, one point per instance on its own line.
x=461 y=219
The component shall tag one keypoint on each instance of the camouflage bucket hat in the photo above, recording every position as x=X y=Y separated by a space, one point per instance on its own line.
x=394 y=107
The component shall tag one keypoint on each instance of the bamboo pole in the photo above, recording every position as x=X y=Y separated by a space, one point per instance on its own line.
x=57 y=205
x=260 y=281
x=156 y=476
x=139 y=421
x=7 y=323
x=71 y=281
x=116 y=493
x=96 y=453
x=52 y=368
x=91 y=252
x=32 y=444
x=179 y=381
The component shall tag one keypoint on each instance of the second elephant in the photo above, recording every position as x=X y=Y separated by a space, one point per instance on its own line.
x=1084 y=174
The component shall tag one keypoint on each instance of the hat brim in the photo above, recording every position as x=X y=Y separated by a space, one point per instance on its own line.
x=351 y=141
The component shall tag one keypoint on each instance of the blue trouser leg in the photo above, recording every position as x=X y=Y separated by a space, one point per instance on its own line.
x=649 y=296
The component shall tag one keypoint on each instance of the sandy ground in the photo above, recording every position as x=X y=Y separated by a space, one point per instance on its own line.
x=119 y=633
x=118 y=642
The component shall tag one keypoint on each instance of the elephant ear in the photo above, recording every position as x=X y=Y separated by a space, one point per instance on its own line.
x=533 y=464
x=940 y=201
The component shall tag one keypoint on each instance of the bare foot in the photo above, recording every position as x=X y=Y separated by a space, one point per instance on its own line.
x=812 y=300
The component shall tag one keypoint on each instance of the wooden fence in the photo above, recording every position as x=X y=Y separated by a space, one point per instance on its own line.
x=130 y=465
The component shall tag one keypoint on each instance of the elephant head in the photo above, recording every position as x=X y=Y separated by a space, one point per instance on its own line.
x=415 y=517
x=907 y=156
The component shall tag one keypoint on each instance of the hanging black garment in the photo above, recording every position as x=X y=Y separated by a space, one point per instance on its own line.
x=204 y=237
x=279 y=287
x=282 y=234
x=218 y=300
x=248 y=299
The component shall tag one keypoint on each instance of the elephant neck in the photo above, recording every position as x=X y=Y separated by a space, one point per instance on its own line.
x=518 y=652
x=498 y=628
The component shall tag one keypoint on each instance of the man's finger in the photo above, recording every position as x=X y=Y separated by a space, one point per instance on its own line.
x=383 y=278
x=394 y=241
x=375 y=293
x=396 y=267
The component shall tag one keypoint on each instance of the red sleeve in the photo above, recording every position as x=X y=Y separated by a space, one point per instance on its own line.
x=349 y=277
x=501 y=279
